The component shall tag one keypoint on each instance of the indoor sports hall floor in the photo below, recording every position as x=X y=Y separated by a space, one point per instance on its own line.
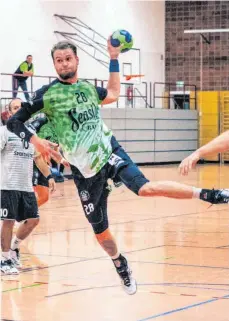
x=178 y=250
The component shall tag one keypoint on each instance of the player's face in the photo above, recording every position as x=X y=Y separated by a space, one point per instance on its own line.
x=29 y=59
x=66 y=63
x=15 y=106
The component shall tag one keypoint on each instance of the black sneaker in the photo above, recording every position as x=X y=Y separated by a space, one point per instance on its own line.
x=7 y=267
x=118 y=184
x=129 y=284
x=215 y=196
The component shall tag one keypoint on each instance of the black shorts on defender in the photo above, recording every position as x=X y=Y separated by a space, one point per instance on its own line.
x=18 y=205
x=94 y=191
x=38 y=177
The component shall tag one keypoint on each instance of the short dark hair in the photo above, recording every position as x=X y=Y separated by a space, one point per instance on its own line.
x=29 y=56
x=61 y=45
x=10 y=103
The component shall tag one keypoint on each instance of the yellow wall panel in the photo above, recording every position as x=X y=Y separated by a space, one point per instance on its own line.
x=224 y=109
x=165 y=100
x=208 y=105
x=192 y=100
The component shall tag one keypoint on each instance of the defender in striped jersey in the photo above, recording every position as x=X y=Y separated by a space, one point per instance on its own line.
x=18 y=201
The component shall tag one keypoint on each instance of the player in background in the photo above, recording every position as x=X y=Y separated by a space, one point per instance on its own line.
x=18 y=201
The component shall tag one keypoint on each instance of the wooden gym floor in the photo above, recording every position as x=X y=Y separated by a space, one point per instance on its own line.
x=178 y=250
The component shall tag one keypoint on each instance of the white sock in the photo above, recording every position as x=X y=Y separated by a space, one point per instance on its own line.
x=6 y=255
x=196 y=192
x=15 y=243
x=115 y=256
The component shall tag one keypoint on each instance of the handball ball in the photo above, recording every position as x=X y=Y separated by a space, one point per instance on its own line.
x=122 y=37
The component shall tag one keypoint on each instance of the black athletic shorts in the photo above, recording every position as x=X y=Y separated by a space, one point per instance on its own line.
x=17 y=205
x=94 y=191
x=38 y=177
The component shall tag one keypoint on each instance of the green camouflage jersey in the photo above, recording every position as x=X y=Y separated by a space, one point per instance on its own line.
x=74 y=114
x=43 y=127
x=47 y=132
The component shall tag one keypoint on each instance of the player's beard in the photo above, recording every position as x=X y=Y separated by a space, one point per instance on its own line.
x=68 y=75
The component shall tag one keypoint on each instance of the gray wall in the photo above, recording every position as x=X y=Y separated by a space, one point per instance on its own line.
x=154 y=135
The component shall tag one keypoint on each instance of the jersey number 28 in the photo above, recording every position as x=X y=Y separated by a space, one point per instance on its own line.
x=81 y=98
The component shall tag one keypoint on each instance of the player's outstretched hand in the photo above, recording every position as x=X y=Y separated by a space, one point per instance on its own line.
x=113 y=51
x=46 y=148
x=52 y=185
x=188 y=163
x=65 y=162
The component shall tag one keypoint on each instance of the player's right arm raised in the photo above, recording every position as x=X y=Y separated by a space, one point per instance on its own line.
x=113 y=86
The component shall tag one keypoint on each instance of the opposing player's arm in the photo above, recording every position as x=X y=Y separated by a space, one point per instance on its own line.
x=45 y=170
x=218 y=145
x=16 y=123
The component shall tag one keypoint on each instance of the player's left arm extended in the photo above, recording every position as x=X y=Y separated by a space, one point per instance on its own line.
x=16 y=125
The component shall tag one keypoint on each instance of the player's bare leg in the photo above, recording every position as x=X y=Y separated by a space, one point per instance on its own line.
x=181 y=191
x=166 y=189
x=24 y=230
x=108 y=243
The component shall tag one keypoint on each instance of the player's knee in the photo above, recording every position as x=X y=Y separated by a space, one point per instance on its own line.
x=145 y=190
x=98 y=221
x=99 y=228
x=36 y=221
x=151 y=189
x=32 y=222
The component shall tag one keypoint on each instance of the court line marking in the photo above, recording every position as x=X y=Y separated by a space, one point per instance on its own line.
x=223 y=247
x=54 y=255
x=126 y=252
x=132 y=221
x=197 y=247
x=184 y=285
x=7 y=320
x=81 y=290
x=185 y=294
x=180 y=264
x=84 y=260
x=182 y=308
x=23 y=287
x=141 y=291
